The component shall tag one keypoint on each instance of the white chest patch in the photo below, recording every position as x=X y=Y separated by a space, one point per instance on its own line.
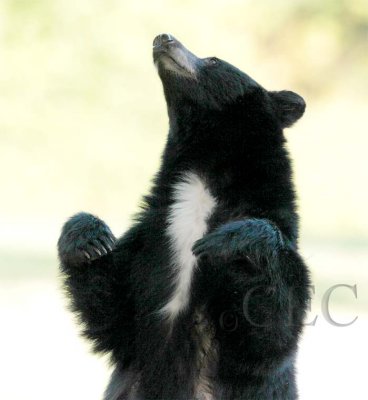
x=187 y=222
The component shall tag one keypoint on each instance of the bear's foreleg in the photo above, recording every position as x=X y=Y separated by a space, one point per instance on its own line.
x=258 y=298
x=95 y=285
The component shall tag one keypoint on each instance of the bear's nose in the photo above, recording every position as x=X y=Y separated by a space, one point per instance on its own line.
x=163 y=39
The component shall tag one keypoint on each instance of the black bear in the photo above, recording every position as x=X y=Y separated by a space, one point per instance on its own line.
x=203 y=298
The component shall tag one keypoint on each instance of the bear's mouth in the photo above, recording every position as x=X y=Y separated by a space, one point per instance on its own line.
x=169 y=61
x=170 y=55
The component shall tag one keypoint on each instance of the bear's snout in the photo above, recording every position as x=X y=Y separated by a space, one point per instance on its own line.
x=162 y=40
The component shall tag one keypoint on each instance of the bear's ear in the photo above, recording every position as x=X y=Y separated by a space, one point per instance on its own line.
x=289 y=105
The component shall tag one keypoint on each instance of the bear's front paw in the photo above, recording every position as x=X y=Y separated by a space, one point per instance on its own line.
x=213 y=245
x=250 y=238
x=84 y=238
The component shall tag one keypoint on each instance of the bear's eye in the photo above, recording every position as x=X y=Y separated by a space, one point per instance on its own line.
x=213 y=61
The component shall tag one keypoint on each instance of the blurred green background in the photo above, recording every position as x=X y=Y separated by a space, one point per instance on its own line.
x=82 y=125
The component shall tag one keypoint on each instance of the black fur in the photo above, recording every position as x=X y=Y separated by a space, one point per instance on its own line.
x=251 y=287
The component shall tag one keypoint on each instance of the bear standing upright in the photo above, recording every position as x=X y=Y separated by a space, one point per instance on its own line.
x=203 y=298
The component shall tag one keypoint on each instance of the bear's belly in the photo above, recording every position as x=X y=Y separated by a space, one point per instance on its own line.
x=206 y=356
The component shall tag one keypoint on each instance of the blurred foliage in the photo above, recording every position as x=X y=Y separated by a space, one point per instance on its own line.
x=83 y=119
x=327 y=39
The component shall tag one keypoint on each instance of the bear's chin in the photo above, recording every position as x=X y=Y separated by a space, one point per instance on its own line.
x=171 y=66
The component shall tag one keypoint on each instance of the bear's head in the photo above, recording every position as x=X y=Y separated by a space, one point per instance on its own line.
x=212 y=86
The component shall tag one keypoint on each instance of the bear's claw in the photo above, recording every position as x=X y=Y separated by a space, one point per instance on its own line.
x=84 y=238
x=86 y=254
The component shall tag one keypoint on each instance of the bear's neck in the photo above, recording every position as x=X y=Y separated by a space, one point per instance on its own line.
x=249 y=176
x=233 y=159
